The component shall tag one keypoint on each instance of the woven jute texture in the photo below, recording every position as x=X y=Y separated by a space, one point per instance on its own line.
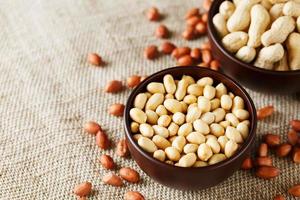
x=48 y=91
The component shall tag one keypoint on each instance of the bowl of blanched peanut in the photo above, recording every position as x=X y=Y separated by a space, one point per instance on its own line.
x=189 y=127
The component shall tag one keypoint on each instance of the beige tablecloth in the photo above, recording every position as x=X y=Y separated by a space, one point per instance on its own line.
x=47 y=91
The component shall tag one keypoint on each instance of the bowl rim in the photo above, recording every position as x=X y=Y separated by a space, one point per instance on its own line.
x=244 y=146
x=215 y=38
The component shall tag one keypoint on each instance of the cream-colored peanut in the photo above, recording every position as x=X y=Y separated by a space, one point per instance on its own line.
x=136 y=137
x=238 y=103
x=226 y=9
x=276 y=11
x=190 y=99
x=190 y=148
x=235 y=40
x=172 y=138
x=187 y=160
x=260 y=19
x=200 y=163
x=169 y=84
x=230 y=148
x=243 y=129
x=219 y=114
x=205 y=81
x=195 y=138
x=170 y=162
x=140 y=101
x=233 y=134
x=146 y=130
x=293 y=47
x=240 y=18
x=162 y=131
x=279 y=31
x=226 y=102
x=266 y=4
x=222 y=140
x=193 y=105
x=246 y=54
x=282 y=64
x=164 y=120
x=219 y=22
x=225 y=123
x=232 y=119
x=195 y=89
x=291 y=8
x=215 y=103
x=231 y=95
x=190 y=80
x=173 y=129
x=216 y=158
x=169 y=96
x=161 y=110
x=201 y=126
x=241 y=114
x=181 y=89
x=298 y=24
x=159 y=155
x=161 y=142
x=178 y=118
x=213 y=144
x=185 y=129
x=217 y=129
x=246 y=122
x=179 y=143
x=184 y=106
x=155 y=87
x=147 y=144
x=210 y=136
x=134 y=127
x=267 y=56
x=204 y=152
x=137 y=115
x=172 y=153
x=154 y=101
x=277 y=1
x=209 y=92
x=204 y=104
x=173 y=105
x=152 y=117
x=220 y=90
x=208 y=117
x=193 y=114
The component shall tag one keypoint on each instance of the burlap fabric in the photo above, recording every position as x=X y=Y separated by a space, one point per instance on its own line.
x=48 y=91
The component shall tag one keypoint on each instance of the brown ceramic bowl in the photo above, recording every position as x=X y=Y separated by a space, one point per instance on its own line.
x=190 y=178
x=247 y=74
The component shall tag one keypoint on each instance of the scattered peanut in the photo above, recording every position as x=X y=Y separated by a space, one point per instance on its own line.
x=133 y=195
x=129 y=175
x=92 y=127
x=107 y=162
x=112 y=179
x=113 y=86
x=94 y=59
x=151 y=52
x=83 y=189
x=116 y=109
x=102 y=140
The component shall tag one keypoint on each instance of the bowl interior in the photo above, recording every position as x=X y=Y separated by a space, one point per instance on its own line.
x=217 y=40
x=196 y=73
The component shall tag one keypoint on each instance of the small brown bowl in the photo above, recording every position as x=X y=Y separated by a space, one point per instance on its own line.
x=285 y=82
x=190 y=178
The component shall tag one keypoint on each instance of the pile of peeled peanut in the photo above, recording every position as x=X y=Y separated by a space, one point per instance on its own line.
x=189 y=123
x=264 y=32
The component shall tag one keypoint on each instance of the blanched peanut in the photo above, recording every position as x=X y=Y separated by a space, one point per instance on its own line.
x=147 y=144
x=226 y=9
x=266 y=4
x=187 y=160
x=217 y=129
x=173 y=129
x=231 y=95
x=216 y=158
x=185 y=129
x=134 y=127
x=181 y=89
x=136 y=137
x=154 y=101
x=208 y=117
x=209 y=92
x=282 y=64
x=291 y=8
x=195 y=138
x=233 y=134
x=146 y=130
x=246 y=54
x=210 y=136
x=219 y=22
x=238 y=103
x=190 y=148
x=293 y=47
x=169 y=84
x=225 y=123
x=276 y=11
x=219 y=114
x=161 y=110
x=190 y=99
x=201 y=126
x=241 y=114
x=193 y=105
x=193 y=114
x=234 y=41
x=170 y=162
x=298 y=24
x=184 y=106
x=156 y=87
x=169 y=96
x=162 y=131
x=190 y=80
x=178 y=118
x=159 y=155
x=220 y=90
x=232 y=119
x=172 y=153
x=140 y=100
x=137 y=115
x=173 y=105
x=164 y=120
x=204 y=152
x=161 y=142
x=200 y=163
x=214 y=145
x=172 y=138
x=222 y=140
x=204 y=104
x=246 y=122
x=243 y=129
x=230 y=148
x=152 y=117
x=205 y=81
x=195 y=89
x=179 y=143
x=215 y=103
x=226 y=102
